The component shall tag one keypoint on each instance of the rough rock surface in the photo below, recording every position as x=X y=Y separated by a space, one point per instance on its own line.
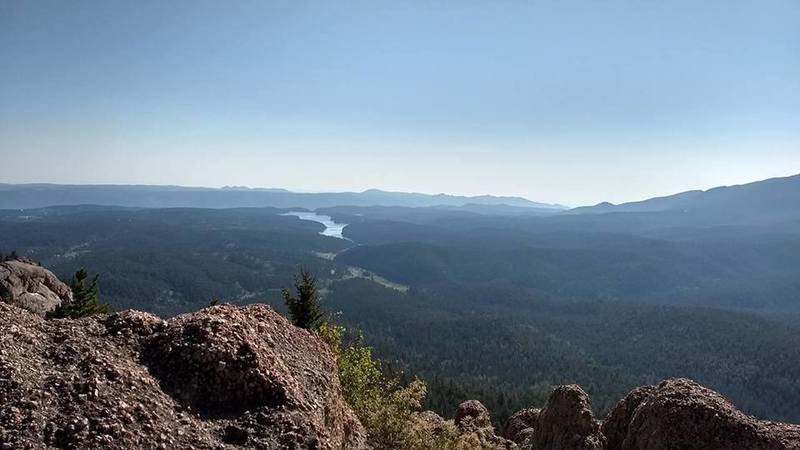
x=26 y=284
x=475 y=428
x=520 y=426
x=681 y=414
x=472 y=413
x=615 y=425
x=567 y=423
x=133 y=381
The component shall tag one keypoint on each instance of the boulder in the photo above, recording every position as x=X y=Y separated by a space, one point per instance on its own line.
x=679 y=413
x=133 y=381
x=567 y=423
x=227 y=360
x=615 y=425
x=26 y=284
x=524 y=420
x=472 y=414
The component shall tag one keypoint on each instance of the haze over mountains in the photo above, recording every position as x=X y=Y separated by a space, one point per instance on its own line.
x=20 y=196
x=748 y=199
x=774 y=193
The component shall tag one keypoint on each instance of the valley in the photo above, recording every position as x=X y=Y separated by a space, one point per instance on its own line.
x=484 y=304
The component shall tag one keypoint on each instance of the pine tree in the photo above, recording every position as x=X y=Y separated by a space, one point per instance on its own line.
x=304 y=308
x=84 y=299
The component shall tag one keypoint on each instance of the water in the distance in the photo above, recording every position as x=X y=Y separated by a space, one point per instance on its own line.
x=332 y=228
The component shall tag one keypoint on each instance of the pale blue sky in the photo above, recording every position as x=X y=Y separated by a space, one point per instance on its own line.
x=561 y=101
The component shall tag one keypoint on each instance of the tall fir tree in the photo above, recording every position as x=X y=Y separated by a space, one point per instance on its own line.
x=304 y=308
x=84 y=299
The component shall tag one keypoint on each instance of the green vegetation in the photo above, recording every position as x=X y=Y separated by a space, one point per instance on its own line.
x=84 y=299
x=171 y=261
x=499 y=308
x=304 y=308
x=388 y=409
x=508 y=348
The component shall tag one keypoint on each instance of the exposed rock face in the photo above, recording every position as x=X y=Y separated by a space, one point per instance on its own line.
x=30 y=286
x=675 y=414
x=615 y=425
x=225 y=360
x=472 y=413
x=224 y=377
x=567 y=422
x=521 y=426
x=679 y=413
x=475 y=428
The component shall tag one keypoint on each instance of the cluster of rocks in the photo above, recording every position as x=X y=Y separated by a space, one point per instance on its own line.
x=224 y=377
x=675 y=414
x=684 y=414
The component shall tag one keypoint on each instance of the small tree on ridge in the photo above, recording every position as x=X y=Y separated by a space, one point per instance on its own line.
x=304 y=308
x=84 y=299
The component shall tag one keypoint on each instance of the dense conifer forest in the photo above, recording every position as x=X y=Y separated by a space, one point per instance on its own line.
x=480 y=303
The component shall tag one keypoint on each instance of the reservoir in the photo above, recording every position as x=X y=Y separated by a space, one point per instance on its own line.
x=332 y=228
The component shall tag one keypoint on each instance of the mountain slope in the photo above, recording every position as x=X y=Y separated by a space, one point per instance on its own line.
x=24 y=196
x=770 y=194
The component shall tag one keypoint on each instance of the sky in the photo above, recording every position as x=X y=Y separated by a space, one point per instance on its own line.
x=573 y=102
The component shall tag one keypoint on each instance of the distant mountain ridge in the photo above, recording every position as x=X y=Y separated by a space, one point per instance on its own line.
x=26 y=196
x=773 y=193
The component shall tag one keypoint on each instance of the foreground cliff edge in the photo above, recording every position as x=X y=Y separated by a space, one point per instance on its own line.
x=243 y=377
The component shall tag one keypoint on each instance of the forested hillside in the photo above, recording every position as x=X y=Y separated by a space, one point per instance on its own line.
x=172 y=260
x=480 y=302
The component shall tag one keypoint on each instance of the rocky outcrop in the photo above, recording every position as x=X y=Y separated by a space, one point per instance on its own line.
x=225 y=361
x=681 y=414
x=224 y=377
x=472 y=414
x=567 y=422
x=475 y=428
x=520 y=427
x=615 y=425
x=26 y=284
x=675 y=414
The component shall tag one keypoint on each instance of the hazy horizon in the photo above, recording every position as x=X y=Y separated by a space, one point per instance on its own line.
x=571 y=104
x=266 y=188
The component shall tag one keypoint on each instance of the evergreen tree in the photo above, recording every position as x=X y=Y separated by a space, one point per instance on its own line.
x=84 y=299
x=304 y=308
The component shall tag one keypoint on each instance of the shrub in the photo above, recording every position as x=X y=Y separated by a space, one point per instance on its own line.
x=388 y=410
